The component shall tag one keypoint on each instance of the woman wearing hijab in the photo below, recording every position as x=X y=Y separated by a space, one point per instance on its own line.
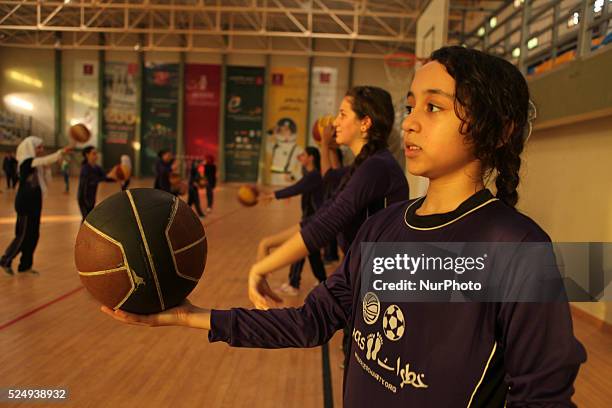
x=126 y=166
x=28 y=202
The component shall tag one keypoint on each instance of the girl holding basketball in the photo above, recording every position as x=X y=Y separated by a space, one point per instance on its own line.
x=28 y=201
x=467 y=119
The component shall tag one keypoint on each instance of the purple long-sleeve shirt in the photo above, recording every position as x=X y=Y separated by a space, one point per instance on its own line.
x=310 y=187
x=449 y=354
x=89 y=179
x=378 y=182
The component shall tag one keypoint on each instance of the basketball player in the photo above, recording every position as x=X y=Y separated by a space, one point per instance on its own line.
x=28 y=202
x=310 y=187
x=89 y=178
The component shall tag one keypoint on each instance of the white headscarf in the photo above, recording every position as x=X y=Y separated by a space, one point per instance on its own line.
x=27 y=150
x=126 y=161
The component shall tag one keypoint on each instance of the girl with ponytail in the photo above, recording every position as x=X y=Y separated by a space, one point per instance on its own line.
x=467 y=120
x=375 y=180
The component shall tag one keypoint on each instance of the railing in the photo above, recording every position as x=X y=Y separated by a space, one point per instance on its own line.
x=538 y=35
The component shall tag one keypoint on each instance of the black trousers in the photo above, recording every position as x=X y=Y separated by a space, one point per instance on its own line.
x=27 y=231
x=316 y=263
x=11 y=180
x=194 y=199
x=209 y=196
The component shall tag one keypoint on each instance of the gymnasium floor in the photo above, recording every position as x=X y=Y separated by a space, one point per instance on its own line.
x=52 y=334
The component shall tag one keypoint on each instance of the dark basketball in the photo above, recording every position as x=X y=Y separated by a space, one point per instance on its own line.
x=141 y=250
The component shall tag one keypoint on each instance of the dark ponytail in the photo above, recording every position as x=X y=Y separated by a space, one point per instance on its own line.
x=376 y=104
x=492 y=102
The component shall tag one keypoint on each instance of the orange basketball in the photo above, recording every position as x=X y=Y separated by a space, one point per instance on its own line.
x=247 y=195
x=319 y=126
x=80 y=133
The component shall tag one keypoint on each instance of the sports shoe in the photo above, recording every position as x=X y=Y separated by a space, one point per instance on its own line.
x=289 y=290
x=8 y=270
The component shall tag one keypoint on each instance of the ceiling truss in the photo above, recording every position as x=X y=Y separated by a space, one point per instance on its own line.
x=361 y=28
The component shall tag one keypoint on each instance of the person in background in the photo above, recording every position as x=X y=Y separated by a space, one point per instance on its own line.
x=163 y=170
x=194 y=189
x=126 y=164
x=91 y=175
x=310 y=187
x=9 y=165
x=210 y=173
x=65 y=169
x=28 y=202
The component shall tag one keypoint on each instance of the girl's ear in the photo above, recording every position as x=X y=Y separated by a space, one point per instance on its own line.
x=366 y=123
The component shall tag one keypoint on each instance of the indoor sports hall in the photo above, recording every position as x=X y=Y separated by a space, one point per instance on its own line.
x=247 y=155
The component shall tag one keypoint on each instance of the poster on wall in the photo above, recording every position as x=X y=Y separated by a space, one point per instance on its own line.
x=160 y=106
x=202 y=93
x=243 y=122
x=14 y=127
x=323 y=93
x=82 y=100
x=286 y=118
x=120 y=111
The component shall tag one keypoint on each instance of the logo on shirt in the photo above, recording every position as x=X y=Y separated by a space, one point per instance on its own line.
x=393 y=323
x=371 y=308
x=390 y=370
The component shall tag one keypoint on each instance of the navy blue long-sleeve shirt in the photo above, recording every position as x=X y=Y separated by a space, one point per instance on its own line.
x=449 y=354
x=89 y=179
x=163 y=171
x=378 y=182
x=310 y=187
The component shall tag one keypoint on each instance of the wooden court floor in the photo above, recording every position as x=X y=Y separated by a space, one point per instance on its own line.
x=52 y=334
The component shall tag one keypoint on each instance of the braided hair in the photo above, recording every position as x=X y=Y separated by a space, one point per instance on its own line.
x=492 y=102
x=375 y=103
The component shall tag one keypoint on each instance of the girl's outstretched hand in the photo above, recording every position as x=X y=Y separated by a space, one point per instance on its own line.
x=176 y=316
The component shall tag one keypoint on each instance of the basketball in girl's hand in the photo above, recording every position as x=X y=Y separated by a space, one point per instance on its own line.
x=319 y=127
x=247 y=195
x=141 y=250
x=79 y=133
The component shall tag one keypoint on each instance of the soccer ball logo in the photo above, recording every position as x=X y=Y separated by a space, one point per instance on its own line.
x=393 y=323
x=371 y=308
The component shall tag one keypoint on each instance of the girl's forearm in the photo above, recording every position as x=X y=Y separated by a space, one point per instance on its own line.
x=291 y=251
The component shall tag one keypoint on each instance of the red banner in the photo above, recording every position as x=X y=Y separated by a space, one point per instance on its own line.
x=202 y=93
